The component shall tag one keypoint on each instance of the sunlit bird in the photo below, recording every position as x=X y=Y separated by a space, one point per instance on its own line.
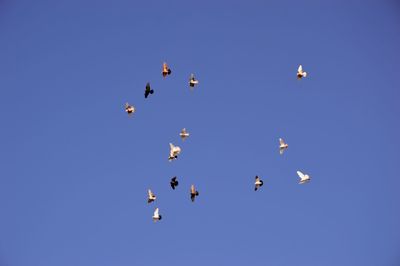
x=148 y=90
x=282 y=146
x=193 y=193
x=258 y=183
x=184 y=134
x=300 y=73
x=193 y=81
x=129 y=109
x=303 y=178
x=165 y=70
x=151 y=197
x=174 y=182
x=174 y=151
x=156 y=215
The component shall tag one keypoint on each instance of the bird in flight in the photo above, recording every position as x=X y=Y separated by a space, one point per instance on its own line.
x=148 y=90
x=174 y=183
x=174 y=151
x=151 y=197
x=184 y=134
x=258 y=183
x=165 y=70
x=156 y=215
x=282 y=146
x=193 y=193
x=300 y=73
x=193 y=81
x=129 y=109
x=303 y=177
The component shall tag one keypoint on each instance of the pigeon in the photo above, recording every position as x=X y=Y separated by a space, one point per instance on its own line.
x=193 y=81
x=174 y=183
x=184 y=134
x=148 y=90
x=173 y=152
x=303 y=178
x=282 y=146
x=151 y=197
x=193 y=193
x=129 y=109
x=165 y=70
x=258 y=183
x=300 y=73
x=156 y=215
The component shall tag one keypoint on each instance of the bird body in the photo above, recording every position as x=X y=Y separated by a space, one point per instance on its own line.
x=151 y=197
x=148 y=90
x=303 y=177
x=282 y=146
x=193 y=193
x=165 y=70
x=173 y=152
x=184 y=134
x=129 y=109
x=174 y=182
x=156 y=215
x=258 y=183
x=193 y=81
x=300 y=73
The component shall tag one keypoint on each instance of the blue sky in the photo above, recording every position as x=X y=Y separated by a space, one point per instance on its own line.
x=75 y=168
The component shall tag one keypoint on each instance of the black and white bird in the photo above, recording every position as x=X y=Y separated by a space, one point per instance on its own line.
x=129 y=109
x=174 y=183
x=148 y=90
x=300 y=73
x=282 y=146
x=174 y=151
x=151 y=197
x=184 y=134
x=156 y=215
x=193 y=193
x=303 y=177
x=193 y=81
x=165 y=70
x=258 y=183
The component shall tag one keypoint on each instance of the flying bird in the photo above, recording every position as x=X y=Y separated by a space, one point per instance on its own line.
x=282 y=146
x=165 y=70
x=173 y=152
x=174 y=183
x=151 y=197
x=193 y=193
x=184 y=134
x=258 y=183
x=156 y=215
x=303 y=178
x=129 y=109
x=300 y=73
x=193 y=81
x=148 y=90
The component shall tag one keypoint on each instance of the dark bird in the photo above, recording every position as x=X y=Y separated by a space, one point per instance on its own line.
x=174 y=183
x=258 y=183
x=193 y=193
x=148 y=90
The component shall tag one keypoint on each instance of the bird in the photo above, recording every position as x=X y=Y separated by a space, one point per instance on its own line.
x=151 y=197
x=193 y=193
x=129 y=109
x=303 y=178
x=173 y=152
x=193 y=81
x=258 y=183
x=156 y=215
x=282 y=146
x=174 y=183
x=184 y=134
x=148 y=90
x=165 y=70
x=300 y=73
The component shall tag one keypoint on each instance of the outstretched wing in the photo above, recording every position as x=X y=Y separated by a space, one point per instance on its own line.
x=150 y=193
x=148 y=88
x=192 y=190
x=156 y=213
x=281 y=142
x=300 y=174
x=300 y=69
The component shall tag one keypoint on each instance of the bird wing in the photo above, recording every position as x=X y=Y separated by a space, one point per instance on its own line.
x=257 y=178
x=281 y=142
x=156 y=212
x=300 y=69
x=150 y=193
x=192 y=190
x=148 y=86
x=300 y=174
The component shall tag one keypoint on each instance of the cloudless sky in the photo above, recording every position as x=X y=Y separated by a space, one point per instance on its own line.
x=75 y=168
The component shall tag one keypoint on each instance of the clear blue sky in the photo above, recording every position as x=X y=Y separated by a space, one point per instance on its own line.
x=75 y=168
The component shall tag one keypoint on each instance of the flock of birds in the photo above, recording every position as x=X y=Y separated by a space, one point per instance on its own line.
x=176 y=150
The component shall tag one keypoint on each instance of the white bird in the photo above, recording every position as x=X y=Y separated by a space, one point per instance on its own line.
x=301 y=73
x=165 y=70
x=303 y=178
x=156 y=215
x=258 y=183
x=173 y=152
x=193 y=193
x=193 y=81
x=151 y=197
x=184 y=134
x=129 y=109
x=282 y=146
